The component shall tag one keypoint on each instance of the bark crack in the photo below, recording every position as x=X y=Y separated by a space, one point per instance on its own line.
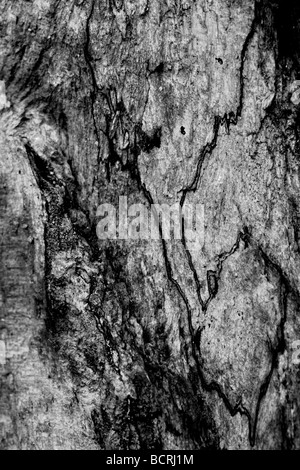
x=212 y=277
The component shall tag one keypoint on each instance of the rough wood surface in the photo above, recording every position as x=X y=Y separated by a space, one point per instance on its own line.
x=144 y=344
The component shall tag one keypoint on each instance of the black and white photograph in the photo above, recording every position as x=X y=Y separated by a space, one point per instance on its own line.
x=150 y=228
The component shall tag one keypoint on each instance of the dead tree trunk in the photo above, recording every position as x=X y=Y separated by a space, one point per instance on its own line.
x=149 y=344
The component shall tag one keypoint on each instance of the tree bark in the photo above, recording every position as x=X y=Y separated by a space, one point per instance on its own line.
x=149 y=344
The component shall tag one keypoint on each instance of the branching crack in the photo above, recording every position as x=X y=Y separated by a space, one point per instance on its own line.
x=214 y=276
x=274 y=351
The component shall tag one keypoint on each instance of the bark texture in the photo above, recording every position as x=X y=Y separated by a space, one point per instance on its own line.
x=149 y=344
